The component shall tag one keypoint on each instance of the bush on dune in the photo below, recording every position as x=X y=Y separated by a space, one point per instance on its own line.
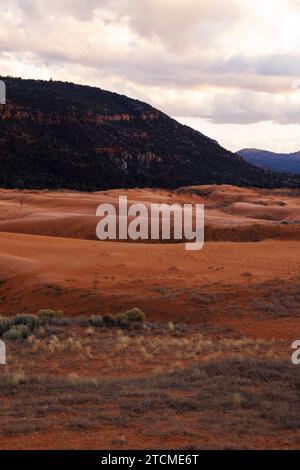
x=5 y=325
x=16 y=332
x=22 y=325
x=125 y=319
x=96 y=321
x=135 y=315
x=50 y=313
x=31 y=321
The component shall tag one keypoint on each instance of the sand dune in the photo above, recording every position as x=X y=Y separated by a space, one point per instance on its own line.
x=169 y=283
x=72 y=214
x=265 y=212
x=233 y=300
x=49 y=257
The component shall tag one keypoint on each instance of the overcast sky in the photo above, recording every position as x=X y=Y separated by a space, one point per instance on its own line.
x=230 y=68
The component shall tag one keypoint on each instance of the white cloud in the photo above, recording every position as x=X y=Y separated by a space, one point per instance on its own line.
x=264 y=135
x=230 y=61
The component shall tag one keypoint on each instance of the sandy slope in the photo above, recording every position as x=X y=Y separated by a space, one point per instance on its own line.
x=228 y=293
x=71 y=214
x=222 y=283
x=169 y=283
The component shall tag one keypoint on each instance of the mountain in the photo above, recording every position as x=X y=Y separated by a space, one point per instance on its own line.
x=61 y=135
x=281 y=162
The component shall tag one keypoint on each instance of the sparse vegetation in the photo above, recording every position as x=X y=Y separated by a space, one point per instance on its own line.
x=16 y=332
x=126 y=319
x=108 y=373
x=135 y=315
x=5 y=325
x=31 y=321
x=110 y=320
x=50 y=313
x=96 y=321
x=255 y=394
x=58 y=321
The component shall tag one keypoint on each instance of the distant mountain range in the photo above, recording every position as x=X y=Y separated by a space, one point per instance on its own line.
x=281 y=162
x=60 y=135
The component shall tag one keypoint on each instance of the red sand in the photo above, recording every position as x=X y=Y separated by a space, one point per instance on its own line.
x=224 y=287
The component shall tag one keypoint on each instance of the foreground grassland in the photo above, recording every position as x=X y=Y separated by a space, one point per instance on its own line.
x=146 y=385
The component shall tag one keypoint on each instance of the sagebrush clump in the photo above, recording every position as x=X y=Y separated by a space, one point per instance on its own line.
x=110 y=320
x=31 y=321
x=96 y=321
x=50 y=313
x=17 y=332
x=5 y=325
x=135 y=315
x=125 y=319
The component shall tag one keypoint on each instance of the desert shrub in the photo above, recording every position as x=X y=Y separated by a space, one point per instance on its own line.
x=181 y=328
x=50 y=313
x=110 y=320
x=5 y=325
x=16 y=332
x=96 y=321
x=121 y=316
x=31 y=321
x=59 y=321
x=130 y=319
x=124 y=324
x=82 y=321
x=135 y=315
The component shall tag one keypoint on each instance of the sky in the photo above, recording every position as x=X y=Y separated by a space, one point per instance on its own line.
x=229 y=68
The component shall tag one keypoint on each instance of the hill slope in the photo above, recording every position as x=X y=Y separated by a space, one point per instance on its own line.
x=281 y=162
x=61 y=135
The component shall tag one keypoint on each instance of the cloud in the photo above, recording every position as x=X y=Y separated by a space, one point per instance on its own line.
x=281 y=65
x=38 y=9
x=181 y=24
x=247 y=108
x=227 y=60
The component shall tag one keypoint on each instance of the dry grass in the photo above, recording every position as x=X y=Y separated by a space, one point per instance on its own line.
x=167 y=387
x=245 y=396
